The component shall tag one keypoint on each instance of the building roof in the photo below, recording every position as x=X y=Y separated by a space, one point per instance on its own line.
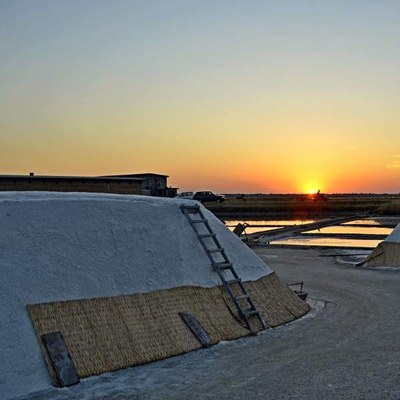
x=77 y=178
x=148 y=174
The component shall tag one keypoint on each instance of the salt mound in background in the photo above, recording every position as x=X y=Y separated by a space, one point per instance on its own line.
x=58 y=246
x=387 y=253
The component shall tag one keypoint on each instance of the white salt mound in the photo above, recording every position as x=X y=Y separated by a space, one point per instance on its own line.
x=64 y=246
x=387 y=253
x=394 y=237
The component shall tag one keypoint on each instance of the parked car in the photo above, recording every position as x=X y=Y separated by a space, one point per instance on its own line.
x=207 y=196
x=185 y=195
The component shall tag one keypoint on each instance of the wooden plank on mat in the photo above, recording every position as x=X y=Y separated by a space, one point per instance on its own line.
x=198 y=331
x=60 y=358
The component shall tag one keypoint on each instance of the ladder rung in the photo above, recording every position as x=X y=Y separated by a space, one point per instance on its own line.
x=224 y=265
x=196 y=221
x=232 y=281
x=216 y=250
x=206 y=235
x=250 y=312
x=190 y=206
x=191 y=210
x=243 y=296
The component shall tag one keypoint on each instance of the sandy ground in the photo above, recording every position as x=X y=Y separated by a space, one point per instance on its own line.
x=348 y=350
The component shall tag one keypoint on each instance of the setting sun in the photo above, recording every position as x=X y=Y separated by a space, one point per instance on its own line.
x=310 y=188
x=197 y=104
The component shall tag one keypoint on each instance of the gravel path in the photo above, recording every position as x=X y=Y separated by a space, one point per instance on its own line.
x=349 y=350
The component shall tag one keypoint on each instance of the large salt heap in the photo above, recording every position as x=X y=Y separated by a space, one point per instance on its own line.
x=112 y=274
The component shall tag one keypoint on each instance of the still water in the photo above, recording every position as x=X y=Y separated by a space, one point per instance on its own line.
x=266 y=225
x=328 y=242
x=319 y=239
x=373 y=230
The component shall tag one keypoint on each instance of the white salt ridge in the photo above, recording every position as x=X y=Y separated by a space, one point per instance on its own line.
x=394 y=236
x=59 y=246
x=387 y=254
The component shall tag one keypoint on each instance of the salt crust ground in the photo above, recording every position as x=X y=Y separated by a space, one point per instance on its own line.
x=61 y=246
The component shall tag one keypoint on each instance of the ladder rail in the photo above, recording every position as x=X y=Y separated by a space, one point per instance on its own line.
x=221 y=266
x=244 y=291
x=201 y=240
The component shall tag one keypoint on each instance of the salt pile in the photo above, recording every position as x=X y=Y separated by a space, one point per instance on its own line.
x=387 y=253
x=57 y=246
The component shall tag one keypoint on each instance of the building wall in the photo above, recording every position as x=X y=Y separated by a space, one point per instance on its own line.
x=157 y=186
x=70 y=185
x=154 y=185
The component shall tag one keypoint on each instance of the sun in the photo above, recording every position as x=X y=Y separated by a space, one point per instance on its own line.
x=312 y=187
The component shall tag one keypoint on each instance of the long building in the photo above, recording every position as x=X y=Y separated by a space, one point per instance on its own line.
x=146 y=184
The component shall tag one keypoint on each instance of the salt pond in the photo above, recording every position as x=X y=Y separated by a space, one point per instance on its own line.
x=328 y=242
x=319 y=237
x=266 y=225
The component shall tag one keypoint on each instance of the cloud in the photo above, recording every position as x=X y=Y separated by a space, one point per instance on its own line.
x=394 y=164
x=391 y=156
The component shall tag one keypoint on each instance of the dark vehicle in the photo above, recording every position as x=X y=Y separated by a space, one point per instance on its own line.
x=208 y=196
x=313 y=197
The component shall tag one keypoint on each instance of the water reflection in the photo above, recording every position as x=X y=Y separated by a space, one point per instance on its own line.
x=266 y=225
x=328 y=242
x=367 y=227
x=353 y=230
x=363 y=222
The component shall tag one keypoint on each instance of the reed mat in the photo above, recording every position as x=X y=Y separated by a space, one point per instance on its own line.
x=110 y=333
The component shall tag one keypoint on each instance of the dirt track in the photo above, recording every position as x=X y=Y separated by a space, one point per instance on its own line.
x=349 y=350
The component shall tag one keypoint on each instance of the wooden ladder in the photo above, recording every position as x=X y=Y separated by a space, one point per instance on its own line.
x=222 y=265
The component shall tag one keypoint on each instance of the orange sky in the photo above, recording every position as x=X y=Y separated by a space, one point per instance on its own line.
x=267 y=97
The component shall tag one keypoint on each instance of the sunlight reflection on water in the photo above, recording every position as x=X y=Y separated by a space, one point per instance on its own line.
x=328 y=242
x=351 y=229
x=319 y=240
x=266 y=225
